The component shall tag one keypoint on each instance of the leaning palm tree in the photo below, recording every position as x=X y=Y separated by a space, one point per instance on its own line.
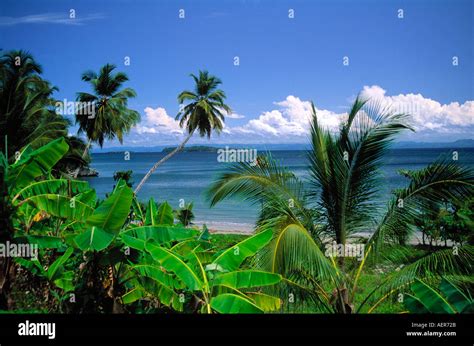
x=339 y=204
x=105 y=113
x=204 y=113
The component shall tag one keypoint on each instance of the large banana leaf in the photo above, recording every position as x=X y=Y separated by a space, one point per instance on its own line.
x=151 y=213
x=454 y=295
x=94 y=238
x=229 y=303
x=165 y=214
x=133 y=295
x=33 y=164
x=61 y=206
x=137 y=210
x=156 y=273
x=232 y=258
x=431 y=299
x=138 y=236
x=414 y=305
x=53 y=186
x=247 y=279
x=45 y=242
x=265 y=301
x=112 y=213
x=88 y=197
x=55 y=270
x=173 y=263
x=145 y=286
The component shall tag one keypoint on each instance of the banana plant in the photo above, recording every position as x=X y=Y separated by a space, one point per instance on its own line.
x=35 y=196
x=214 y=279
x=57 y=273
x=447 y=299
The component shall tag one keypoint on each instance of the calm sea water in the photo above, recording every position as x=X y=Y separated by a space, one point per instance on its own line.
x=187 y=175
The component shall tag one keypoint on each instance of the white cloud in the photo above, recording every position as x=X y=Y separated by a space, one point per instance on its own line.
x=288 y=121
x=234 y=116
x=49 y=18
x=426 y=114
x=158 y=121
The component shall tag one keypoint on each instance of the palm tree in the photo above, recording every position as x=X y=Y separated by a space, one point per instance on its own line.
x=344 y=171
x=204 y=113
x=27 y=113
x=111 y=118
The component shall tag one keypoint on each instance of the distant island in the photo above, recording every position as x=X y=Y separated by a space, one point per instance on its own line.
x=458 y=144
x=193 y=148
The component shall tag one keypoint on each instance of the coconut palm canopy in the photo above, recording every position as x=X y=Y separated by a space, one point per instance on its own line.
x=204 y=113
x=112 y=118
x=206 y=108
x=27 y=108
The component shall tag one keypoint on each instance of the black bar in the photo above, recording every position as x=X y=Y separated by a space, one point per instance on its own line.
x=240 y=329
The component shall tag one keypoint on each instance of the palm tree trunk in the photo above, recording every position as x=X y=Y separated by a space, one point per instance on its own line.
x=163 y=160
x=86 y=149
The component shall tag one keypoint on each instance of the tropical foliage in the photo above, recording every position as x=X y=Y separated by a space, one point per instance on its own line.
x=121 y=255
x=338 y=203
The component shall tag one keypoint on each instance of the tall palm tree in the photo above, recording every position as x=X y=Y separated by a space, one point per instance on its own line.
x=111 y=117
x=27 y=113
x=344 y=171
x=204 y=113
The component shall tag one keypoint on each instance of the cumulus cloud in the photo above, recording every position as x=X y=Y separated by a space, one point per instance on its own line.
x=159 y=122
x=426 y=114
x=288 y=120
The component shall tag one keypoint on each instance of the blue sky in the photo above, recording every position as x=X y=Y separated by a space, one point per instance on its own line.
x=284 y=62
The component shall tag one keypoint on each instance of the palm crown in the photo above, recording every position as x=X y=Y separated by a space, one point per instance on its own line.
x=206 y=109
x=112 y=117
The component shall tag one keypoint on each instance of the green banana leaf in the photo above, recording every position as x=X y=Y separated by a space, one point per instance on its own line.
x=247 y=279
x=232 y=258
x=34 y=163
x=133 y=295
x=414 y=305
x=229 y=303
x=94 y=239
x=165 y=214
x=137 y=237
x=88 y=197
x=55 y=269
x=173 y=263
x=454 y=295
x=156 y=273
x=61 y=206
x=431 y=299
x=137 y=210
x=112 y=213
x=53 y=186
x=45 y=242
x=151 y=213
x=265 y=301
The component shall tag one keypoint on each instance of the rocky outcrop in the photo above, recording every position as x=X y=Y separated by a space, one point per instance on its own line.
x=87 y=172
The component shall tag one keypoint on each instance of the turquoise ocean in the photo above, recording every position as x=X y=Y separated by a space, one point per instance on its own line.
x=187 y=175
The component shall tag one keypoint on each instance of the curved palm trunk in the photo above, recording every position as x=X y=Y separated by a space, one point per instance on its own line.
x=76 y=172
x=163 y=160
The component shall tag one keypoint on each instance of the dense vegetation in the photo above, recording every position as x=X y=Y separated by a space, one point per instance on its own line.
x=119 y=255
